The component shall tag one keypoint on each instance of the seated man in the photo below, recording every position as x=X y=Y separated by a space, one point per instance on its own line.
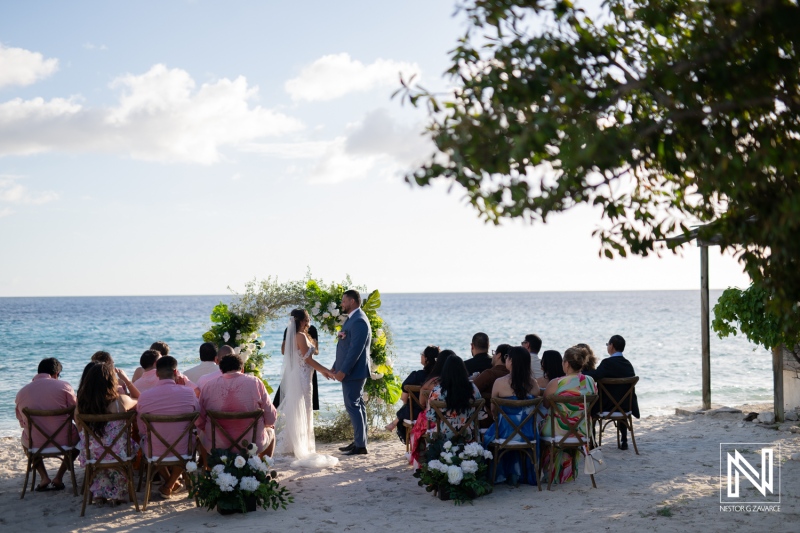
x=150 y=379
x=533 y=343
x=225 y=350
x=616 y=366
x=47 y=392
x=480 y=359
x=236 y=392
x=208 y=363
x=162 y=348
x=166 y=398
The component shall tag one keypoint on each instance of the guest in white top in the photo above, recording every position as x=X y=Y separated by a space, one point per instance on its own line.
x=208 y=362
x=533 y=343
x=225 y=350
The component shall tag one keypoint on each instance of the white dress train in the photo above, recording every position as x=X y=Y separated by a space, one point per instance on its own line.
x=295 y=424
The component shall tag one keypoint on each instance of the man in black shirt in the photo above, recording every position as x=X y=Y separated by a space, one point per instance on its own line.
x=480 y=359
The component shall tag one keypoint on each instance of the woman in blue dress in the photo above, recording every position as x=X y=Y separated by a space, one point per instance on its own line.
x=517 y=385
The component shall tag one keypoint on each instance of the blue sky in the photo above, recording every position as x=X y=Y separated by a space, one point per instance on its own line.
x=181 y=147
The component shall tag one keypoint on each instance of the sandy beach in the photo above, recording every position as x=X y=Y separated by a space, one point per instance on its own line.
x=672 y=486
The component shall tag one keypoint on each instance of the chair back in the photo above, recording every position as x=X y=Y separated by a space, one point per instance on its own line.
x=469 y=431
x=215 y=417
x=50 y=445
x=531 y=408
x=573 y=436
x=413 y=400
x=107 y=454
x=625 y=403
x=176 y=450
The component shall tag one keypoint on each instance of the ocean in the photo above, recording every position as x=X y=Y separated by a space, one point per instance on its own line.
x=662 y=330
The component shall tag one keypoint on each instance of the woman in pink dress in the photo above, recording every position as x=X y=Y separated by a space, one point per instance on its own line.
x=99 y=395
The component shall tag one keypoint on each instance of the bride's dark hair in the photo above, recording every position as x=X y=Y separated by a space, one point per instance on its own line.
x=299 y=315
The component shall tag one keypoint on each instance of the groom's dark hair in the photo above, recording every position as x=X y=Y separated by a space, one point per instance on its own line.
x=355 y=295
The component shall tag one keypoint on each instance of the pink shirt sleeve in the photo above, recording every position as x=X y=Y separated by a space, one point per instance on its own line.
x=270 y=413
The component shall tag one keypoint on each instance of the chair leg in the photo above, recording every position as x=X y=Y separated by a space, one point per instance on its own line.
x=27 y=474
x=141 y=473
x=72 y=475
x=552 y=470
x=131 y=493
x=594 y=485
x=147 y=485
x=87 y=476
x=630 y=427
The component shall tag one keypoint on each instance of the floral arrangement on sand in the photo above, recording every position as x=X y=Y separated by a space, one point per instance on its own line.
x=455 y=469
x=237 y=482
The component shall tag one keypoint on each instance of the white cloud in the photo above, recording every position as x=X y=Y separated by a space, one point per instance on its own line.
x=92 y=46
x=336 y=165
x=161 y=116
x=379 y=134
x=12 y=192
x=23 y=67
x=5 y=212
x=335 y=75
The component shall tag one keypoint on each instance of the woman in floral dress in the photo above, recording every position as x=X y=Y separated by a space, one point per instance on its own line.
x=421 y=426
x=564 y=463
x=99 y=395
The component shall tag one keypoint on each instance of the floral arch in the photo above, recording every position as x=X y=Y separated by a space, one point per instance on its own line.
x=239 y=323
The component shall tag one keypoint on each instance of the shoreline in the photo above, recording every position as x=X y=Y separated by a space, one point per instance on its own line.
x=674 y=485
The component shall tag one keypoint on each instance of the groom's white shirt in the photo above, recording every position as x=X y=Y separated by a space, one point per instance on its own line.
x=351 y=313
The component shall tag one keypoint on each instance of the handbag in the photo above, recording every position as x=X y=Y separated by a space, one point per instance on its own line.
x=594 y=462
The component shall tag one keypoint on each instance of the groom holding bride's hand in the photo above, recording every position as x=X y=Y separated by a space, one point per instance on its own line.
x=352 y=368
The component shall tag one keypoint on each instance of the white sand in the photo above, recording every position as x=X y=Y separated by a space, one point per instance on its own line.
x=678 y=469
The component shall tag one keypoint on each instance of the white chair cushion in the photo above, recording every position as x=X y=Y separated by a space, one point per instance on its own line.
x=408 y=422
x=108 y=460
x=50 y=449
x=513 y=442
x=568 y=440
x=615 y=414
x=169 y=457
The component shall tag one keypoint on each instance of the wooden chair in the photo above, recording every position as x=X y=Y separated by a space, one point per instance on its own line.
x=178 y=452
x=214 y=418
x=413 y=400
x=50 y=448
x=619 y=412
x=108 y=459
x=471 y=425
x=523 y=444
x=573 y=438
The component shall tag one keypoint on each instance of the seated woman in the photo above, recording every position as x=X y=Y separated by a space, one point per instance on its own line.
x=125 y=385
x=591 y=358
x=456 y=390
x=427 y=358
x=422 y=425
x=517 y=385
x=99 y=395
x=564 y=464
x=552 y=366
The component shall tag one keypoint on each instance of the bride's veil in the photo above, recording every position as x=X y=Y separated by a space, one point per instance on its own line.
x=294 y=428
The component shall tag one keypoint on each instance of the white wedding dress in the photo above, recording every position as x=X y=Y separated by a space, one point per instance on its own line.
x=295 y=424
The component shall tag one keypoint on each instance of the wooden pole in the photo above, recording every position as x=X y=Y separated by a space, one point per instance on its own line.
x=777 y=381
x=705 y=325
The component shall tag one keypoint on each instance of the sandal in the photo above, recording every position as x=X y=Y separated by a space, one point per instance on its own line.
x=165 y=495
x=45 y=488
x=57 y=486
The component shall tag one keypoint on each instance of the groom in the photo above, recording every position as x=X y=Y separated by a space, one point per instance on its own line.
x=352 y=368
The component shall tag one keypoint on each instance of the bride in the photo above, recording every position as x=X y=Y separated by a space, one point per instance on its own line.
x=295 y=425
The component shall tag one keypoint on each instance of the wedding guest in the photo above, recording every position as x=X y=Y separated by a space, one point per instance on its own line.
x=616 y=366
x=208 y=362
x=480 y=359
x=486 y=379
x=223 y=351
x=236 y=392
x=166 y=398
x=574 y=383
x=533 y=343
x=99 y=396
x=85 y=372
x=150 y=379
x=126 y=386
x=161 y=347
x=427 y=358
x=591 y=360
x=455 y=389
x=552 y=367
x=517 y=384
x=421 y=426
x=47 y=392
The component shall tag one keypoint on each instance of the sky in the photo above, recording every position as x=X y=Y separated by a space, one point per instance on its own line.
x=184 y=147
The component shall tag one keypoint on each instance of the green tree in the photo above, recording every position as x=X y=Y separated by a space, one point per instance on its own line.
x=660 y=113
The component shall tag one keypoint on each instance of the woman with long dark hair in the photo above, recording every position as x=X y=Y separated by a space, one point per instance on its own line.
x=519 y=384
x=552 y=366
x=457 y=391
x=427 y=358
x=422 y=425
x=98 y=395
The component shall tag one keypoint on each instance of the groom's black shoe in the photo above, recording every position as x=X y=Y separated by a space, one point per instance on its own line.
x=348 y=447
x=356 y=451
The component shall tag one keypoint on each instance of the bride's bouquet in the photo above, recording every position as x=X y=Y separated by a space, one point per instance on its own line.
x=237 y=483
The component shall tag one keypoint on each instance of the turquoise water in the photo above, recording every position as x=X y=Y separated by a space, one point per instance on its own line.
x=662 y=330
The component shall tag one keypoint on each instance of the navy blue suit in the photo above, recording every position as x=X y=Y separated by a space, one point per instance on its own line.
x=616 y=367
x=352 y=358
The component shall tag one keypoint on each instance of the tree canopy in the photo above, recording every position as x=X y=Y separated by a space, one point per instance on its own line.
x=661 y=113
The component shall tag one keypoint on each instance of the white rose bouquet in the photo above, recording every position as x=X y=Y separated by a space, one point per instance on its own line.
x=455 y=469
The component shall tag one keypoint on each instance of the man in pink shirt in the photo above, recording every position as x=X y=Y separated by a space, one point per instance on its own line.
x=150 y=379
x=47 y=392
x=236 y=392
x=167 y=398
